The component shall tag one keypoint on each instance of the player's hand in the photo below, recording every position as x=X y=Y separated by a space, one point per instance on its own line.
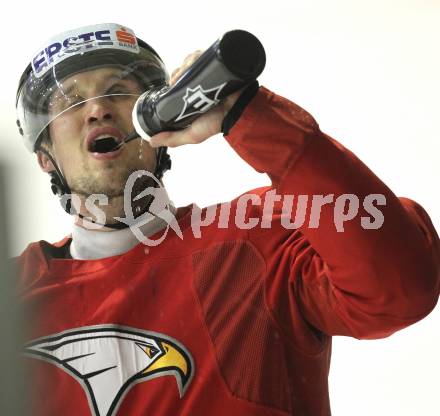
x=202 y=128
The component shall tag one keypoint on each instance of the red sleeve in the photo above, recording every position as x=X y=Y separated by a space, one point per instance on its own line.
x=365 y=283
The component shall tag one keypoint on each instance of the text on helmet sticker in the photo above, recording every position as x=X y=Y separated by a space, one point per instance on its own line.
x=83 y=40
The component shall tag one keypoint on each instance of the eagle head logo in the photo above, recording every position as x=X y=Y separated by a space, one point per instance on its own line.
x=108 y=360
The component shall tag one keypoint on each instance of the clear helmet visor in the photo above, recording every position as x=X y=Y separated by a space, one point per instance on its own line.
x=65 y=86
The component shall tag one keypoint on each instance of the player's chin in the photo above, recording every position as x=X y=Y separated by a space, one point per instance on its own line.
x=116 y=179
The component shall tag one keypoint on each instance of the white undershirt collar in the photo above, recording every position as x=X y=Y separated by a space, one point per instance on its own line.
x=90 y=244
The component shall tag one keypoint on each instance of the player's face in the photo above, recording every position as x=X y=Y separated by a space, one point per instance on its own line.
x=83 y=134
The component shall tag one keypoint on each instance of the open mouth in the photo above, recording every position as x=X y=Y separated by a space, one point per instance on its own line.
x=104 y=144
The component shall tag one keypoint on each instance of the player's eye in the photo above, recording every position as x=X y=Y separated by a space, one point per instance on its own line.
x=62 y=103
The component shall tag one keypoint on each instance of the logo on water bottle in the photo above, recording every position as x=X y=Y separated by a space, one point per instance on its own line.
x=198 y=100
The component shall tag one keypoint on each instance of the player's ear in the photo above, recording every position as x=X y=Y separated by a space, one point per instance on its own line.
x=45 y=164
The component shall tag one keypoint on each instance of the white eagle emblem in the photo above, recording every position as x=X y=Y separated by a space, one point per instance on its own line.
x=108 y=360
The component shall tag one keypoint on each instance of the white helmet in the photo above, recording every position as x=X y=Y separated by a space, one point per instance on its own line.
x=72 y=52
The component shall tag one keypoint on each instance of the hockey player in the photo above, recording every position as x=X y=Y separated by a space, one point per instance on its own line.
x=237 y=320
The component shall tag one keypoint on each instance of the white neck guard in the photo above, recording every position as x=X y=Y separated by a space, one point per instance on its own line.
x=90 y=244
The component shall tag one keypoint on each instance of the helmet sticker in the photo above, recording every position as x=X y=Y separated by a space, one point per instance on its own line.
x=83 y=40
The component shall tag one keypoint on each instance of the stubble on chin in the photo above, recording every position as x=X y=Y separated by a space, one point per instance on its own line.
x=110 y=183
x=109 y=179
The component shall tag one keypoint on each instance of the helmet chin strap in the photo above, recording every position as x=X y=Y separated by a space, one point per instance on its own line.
x=60 y=187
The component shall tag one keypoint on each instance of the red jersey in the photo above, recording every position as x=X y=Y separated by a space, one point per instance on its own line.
x=236 y=320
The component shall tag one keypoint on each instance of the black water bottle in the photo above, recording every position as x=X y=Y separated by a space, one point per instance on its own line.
x=233 y=61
